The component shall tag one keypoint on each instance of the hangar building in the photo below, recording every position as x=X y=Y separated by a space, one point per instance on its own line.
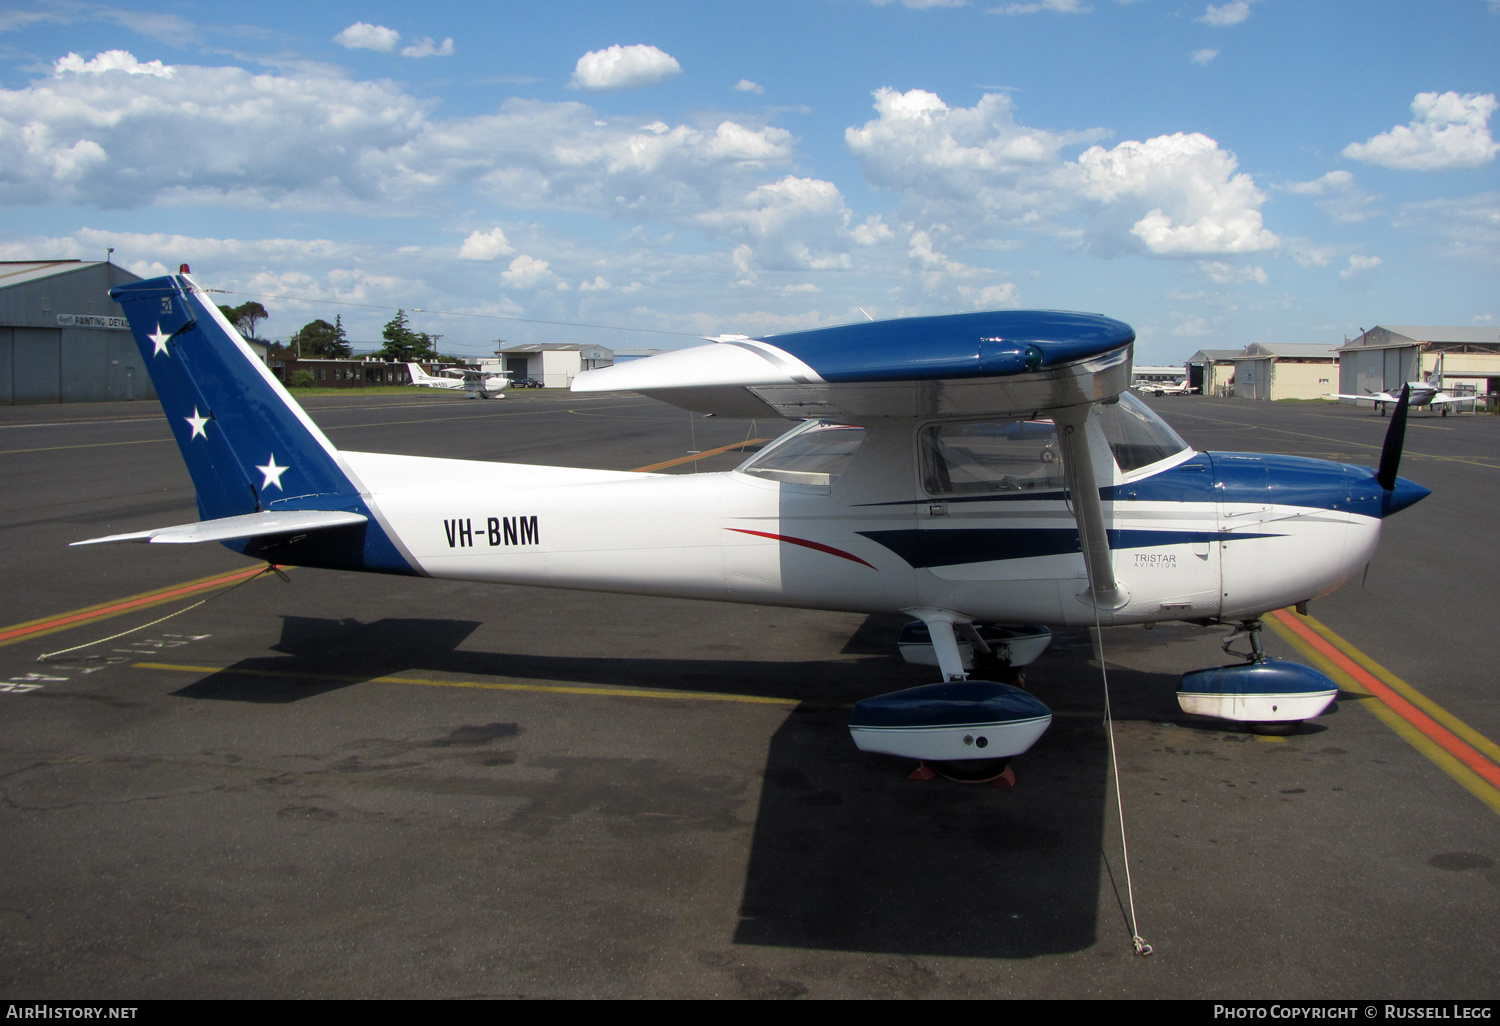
x=62 y=339
x=1211 y=371
x=1386 y=357
x=554 y=364
x=1285 y=371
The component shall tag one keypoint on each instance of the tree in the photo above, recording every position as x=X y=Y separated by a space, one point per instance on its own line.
x=404 y=345
x=245 y=317
x=321 y=339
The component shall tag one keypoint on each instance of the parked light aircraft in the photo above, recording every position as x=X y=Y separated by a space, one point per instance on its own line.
x=924 y=477
x=1423 y=394
x=478 y=384
x=1160 y=388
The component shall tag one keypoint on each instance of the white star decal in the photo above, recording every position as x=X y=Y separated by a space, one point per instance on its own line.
x=197 y=420
x=160 y=338
x=273 y=474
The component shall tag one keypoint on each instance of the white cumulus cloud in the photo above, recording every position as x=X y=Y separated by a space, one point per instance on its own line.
x=1059 y=6
x=1359 y=265
x=744 y=85
x=189 y=134
x=426 y=47
x=111 y=60
x=1231 y=13
x=527 y=272
x=979 y=172
x=364 y=36
x=1339 y=197
x=1197 y=203
x=1204 y=56
x=1223 y=273
x=1448 y=130
x=623 y=67
x=792 y=224
x=485 y=245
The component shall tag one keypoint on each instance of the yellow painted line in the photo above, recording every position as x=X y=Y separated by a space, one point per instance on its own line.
x=86 y=445
x=105 y=610
x=1447 y=755
x=699 y=696
x=698 y=455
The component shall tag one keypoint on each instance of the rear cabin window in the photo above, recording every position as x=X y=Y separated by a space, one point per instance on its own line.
x=990 y=456
x=813 y=454
x=1136 y=435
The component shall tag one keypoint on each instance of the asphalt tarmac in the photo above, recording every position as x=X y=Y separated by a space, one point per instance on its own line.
x=362 y=786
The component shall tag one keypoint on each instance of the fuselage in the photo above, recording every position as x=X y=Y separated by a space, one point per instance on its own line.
x=1194 y=536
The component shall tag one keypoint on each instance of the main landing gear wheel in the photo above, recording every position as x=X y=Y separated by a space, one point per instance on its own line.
x=995 y=772
x=1275 y=729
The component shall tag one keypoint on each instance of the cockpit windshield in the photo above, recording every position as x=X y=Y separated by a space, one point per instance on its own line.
x=814 y=454
x=1136 y=435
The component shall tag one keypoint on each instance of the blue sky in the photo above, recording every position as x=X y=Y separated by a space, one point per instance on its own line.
x=1214 y=174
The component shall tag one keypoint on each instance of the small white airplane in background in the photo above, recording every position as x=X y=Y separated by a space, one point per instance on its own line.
x=1159 y=388
x=1426 y=394
x=986 y=474
x=478 y=384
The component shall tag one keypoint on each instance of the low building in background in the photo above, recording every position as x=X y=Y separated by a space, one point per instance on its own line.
x=1386 y=357
x=1285 y=371
x=62 y=339
x=351 y=373
x=1211 y=371
x=554 y=364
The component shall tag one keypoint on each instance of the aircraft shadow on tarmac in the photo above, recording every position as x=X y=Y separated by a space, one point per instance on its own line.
x=847 y=853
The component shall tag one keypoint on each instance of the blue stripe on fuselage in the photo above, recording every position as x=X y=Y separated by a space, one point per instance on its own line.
x=953 y=546
x=1227 y=477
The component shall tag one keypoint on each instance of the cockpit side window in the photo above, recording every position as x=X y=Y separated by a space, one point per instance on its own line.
x=990 y=456
x=1136 y=435
x=813 y=454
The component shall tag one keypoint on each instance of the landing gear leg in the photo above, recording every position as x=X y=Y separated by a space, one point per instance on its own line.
x=1250 y=630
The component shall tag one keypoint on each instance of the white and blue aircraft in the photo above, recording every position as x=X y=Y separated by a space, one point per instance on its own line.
x=968 y=470
x=476 y=383
x=1421 y=394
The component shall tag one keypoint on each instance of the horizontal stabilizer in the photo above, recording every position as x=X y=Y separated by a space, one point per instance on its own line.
x=251 y=525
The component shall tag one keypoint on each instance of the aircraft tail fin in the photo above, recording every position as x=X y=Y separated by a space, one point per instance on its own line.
x=248 y=445
x=1437 y=373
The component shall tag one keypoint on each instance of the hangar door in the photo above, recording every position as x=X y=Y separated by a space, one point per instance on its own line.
x=36 y=365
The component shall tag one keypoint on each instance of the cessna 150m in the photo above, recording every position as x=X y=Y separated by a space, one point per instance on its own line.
x=478 y=384
x=968 y=470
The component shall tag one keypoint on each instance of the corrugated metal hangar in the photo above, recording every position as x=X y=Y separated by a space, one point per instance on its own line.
x=62 y=339
x=1387 y=356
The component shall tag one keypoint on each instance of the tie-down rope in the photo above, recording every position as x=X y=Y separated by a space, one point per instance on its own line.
x=271 y=568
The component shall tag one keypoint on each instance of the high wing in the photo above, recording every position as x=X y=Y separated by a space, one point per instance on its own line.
x=964 y=365
x=959 y=365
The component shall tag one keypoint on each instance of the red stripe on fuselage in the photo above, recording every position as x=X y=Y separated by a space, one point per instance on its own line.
x=816 y=546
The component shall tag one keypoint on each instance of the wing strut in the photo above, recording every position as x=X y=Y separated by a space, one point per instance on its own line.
x=1083 y=487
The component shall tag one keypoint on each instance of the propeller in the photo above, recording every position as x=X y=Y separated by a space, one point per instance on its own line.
x=1395 y=438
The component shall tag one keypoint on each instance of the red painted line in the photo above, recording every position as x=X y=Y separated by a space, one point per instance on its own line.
x=815 y=546
x=1445 y=738
x=123 y=606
